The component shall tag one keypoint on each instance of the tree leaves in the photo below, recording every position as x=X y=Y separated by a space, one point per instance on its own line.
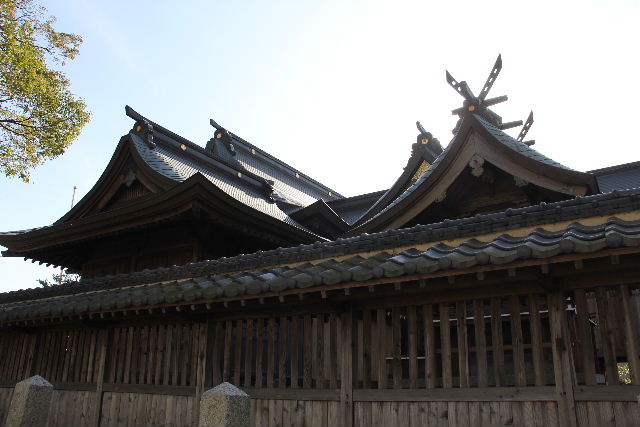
x=39 y=116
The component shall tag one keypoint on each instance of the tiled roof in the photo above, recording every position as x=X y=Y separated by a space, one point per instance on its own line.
x=352 y=208
x=608 y=204
x=171 y=165
x=539 y=244
x=516 y=145
x=497 y=134
x=620 y=177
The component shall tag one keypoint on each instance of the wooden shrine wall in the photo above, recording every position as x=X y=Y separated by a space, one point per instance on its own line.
x=527 y=358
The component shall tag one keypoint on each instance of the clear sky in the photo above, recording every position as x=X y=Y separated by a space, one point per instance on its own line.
x=334 y=87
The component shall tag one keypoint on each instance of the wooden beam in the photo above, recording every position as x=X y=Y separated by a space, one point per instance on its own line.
x=103 y=338
x=563 y=367
x=630 y=332
x=346 y=372
x=489 y=394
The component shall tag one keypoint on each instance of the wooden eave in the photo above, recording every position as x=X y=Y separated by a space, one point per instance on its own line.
x=322 y=210
x=564 y=271
x=401 y=184
x=473 y=140
x=113 y=176
x=197 y=193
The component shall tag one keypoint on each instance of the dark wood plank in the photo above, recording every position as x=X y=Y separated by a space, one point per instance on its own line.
x=87 y=348
x=295 y=351
x=346 y=370
x=535 y=327
x=144 y=352
x=321 y=375
x=307 y=352
x=412 y=332
x=630 y=334
x=562 y=360
x=445 y=346
x=201 y=366
x=608 y=350
x=271 y=352
x=586 y=348
x=58 y=355
x=101 y=350
x=161 y=354
x=166 y=375
x=237 y=354
x=480 y=342
x=248 y=355
x=152 y=355
x=463 y=343
x=127 y=360
x=282 y=357
x=226 y=361
x=517 y=342
x=78 y=356
x=259 y=352
x=497 y=343
x=429 y=347
x=178 y=390
x=45 y=358
x=381 y=327
x=186 y=354
x=22 y=349
x=175 y=360
x=506 y=394
x=366 y=348
x=193 y=348
x=396 y=327
x=113 y=353
x=613 y=393
x=333 y=355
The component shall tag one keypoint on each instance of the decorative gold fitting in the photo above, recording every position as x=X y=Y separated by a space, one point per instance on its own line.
x=219 y=135
x=183 y=147
x=239 y=175
x=425 y=140
x=253 y=151
x=138 y=128
x=472 y=108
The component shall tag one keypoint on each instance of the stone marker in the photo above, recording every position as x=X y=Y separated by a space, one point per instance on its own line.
x=30 y=403
x=224 y=406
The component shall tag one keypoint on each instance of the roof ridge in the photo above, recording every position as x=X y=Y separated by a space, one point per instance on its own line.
x=520 y=144
x=202 y=150
x=615 y=168
x=283 y=163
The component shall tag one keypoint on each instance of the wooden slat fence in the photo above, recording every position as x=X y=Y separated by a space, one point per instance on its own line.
x=562 y=357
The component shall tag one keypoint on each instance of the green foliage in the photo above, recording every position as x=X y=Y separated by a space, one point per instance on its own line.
x=59 y=279
x=39 y=116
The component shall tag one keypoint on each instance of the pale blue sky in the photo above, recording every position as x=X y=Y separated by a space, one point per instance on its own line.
x=334 y=88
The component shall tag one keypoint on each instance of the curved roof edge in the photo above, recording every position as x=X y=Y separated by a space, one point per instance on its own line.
x=500 y=145
x=501 y=252
x=600 y=205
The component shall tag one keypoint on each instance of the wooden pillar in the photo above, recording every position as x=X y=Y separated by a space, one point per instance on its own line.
x=630 y=334
x=563 y=367
x=346 y=369
x=33 y=350
x=103 y=340
x=201 y=361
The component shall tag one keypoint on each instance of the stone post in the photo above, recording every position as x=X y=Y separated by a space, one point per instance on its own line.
x=30 y=403
x=224 y=406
